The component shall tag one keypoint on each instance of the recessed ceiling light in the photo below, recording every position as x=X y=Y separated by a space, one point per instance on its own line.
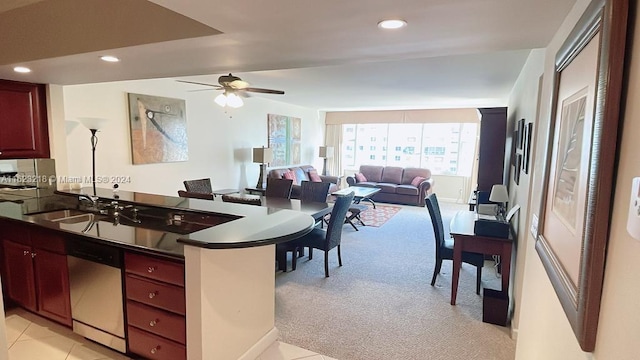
x=22 y=69
x=392 y=24
x=109 y=58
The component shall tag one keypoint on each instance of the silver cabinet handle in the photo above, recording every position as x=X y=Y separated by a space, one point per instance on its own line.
x=155 y=349
x=151 y=269
x=153 y=323
x=153 y=294
x=33 y=255
x=26 y=252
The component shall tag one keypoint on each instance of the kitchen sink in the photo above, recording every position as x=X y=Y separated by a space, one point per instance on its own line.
x=66 y=216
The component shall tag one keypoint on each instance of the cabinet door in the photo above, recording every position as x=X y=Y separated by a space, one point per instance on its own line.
x=19 y=280
x=52 y=285
x=23 y=120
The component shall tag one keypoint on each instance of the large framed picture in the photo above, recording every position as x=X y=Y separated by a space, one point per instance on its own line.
x=579 y=168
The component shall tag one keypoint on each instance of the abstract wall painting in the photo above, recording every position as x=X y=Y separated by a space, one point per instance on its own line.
x=285 y=138
x=158 y=129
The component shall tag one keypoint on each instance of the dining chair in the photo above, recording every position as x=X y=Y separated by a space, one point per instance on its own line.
x=444 y=246
x=249 y=200
x=314 y=191
x=198 y=186
x=321 y=239
x=195 y=195
x=278 y=188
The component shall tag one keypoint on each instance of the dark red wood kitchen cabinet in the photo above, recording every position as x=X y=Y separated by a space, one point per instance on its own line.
x=35 y=271
x=23 y=120
x=19 y=277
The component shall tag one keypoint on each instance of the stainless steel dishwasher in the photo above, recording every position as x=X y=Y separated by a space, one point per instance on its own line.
x=95 y=276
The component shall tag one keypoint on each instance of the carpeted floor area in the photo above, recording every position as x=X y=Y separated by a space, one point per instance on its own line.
x=380 y=304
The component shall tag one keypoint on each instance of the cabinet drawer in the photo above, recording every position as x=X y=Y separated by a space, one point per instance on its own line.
x=16 y=232
x=164 y=296
x=157 y=321
x=154 y=347
x=48 y=240
x=154 y=268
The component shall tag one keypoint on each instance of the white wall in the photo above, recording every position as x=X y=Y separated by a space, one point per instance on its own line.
x=220 y=140
x=544 y=331
x=523 y=104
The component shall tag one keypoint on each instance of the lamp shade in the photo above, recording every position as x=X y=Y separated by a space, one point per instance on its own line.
x=93 y=123
x=326 y=152
x=262 y=155
x=499 y=194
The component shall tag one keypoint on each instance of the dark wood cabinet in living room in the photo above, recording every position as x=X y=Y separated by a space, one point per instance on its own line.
x=35 y=273
x=23 y=120
x=491 y=150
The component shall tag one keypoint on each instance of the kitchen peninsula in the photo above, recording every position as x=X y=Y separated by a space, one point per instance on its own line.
x=227 y=249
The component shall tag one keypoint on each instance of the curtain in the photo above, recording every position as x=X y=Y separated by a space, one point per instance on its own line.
x=333 y=138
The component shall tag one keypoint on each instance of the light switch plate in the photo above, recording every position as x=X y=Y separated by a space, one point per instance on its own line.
x=534 y=226
x=633 y=220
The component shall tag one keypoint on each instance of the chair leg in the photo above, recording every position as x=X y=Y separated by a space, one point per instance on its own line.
x=436 y=271
x=294 y=259
x=326 y=264
x=339 y=256
x=310 y=253
x=478 y=279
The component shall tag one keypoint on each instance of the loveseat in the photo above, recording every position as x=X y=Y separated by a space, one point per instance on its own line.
x=304 y=173
x=409 y=186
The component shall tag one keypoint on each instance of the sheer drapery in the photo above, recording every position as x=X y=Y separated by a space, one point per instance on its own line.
x=333 y=138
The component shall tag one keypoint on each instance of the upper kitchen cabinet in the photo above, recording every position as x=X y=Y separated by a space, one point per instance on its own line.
x=23 y=120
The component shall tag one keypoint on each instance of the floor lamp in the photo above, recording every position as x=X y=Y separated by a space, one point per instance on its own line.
x=325 y=152
x=93 y=124
x=262 y=156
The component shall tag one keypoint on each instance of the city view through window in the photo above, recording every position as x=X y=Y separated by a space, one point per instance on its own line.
x=443 y=148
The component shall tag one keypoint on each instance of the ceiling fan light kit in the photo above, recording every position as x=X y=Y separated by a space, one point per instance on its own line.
x=233 y=87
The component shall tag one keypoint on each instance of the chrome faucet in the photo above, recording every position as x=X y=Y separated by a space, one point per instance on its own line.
x=90 y=198
x=117 y=213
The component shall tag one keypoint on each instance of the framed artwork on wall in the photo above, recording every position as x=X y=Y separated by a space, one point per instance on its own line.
x=520 y=139
x=158 y=129
x=285 y=138
x=579 y=169
x=527 y=147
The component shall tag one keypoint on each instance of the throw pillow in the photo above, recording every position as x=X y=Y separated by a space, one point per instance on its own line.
x=313 y=176
x=417 y=180
x=360 y=178
x=290 y=175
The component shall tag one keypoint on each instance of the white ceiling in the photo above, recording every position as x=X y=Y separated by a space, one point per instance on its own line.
x=327 y=54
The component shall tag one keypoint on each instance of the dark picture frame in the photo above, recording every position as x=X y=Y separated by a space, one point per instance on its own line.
x=516 y=170
x=527 y=148
x=579 y=169
x=520 y=134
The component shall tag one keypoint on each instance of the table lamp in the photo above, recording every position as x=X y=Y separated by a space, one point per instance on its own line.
x=499 y=195
x=93 y=124
x=262 y=156
x=325 y=152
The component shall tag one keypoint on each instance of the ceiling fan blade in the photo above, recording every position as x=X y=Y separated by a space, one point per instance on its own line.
x=238 y=84
x=198 y=90
x=199 y=83
x=264 y=91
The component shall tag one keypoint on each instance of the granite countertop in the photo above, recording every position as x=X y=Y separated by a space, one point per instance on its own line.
x=240 y=225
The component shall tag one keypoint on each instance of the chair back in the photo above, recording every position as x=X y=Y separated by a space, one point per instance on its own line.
x=195 y=195
x=336 y=221
x=436 y=219
x=198 y=186
x=278 y=188
x=249 y=200
x=314 y=191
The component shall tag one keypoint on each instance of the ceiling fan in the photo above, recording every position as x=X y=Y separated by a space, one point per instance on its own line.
x=234 y=88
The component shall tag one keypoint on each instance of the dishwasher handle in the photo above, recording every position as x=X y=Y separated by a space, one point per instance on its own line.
x=98 y=253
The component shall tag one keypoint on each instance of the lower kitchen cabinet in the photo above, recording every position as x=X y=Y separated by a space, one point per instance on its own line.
x=156 y=322
x=35 y=271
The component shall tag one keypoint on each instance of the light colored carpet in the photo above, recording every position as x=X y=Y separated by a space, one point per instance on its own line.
x=380 y=304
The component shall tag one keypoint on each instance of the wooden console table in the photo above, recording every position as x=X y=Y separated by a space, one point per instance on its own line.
x=465 y=239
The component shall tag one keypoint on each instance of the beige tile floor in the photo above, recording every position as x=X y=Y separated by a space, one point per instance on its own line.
x=30 y=337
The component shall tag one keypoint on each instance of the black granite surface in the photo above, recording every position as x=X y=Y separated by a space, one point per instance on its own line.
x=166 y=223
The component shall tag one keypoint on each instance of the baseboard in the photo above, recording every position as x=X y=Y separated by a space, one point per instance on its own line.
x=514 y=334
x=261 y=345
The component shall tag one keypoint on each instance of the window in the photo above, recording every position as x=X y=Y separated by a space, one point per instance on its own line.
x=444 y=148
